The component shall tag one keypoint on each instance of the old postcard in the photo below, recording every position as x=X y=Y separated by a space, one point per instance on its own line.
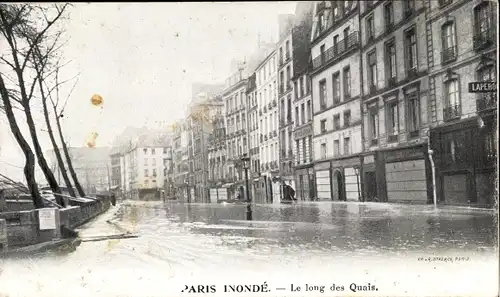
x=315 y=148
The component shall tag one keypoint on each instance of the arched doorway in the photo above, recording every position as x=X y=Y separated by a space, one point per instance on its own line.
x=338 y=186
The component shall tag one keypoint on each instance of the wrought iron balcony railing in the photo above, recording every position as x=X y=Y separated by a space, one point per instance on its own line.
x=335 y=51
x=449 y=54
x=483 y=39
x=451 y=112
x=486 y=102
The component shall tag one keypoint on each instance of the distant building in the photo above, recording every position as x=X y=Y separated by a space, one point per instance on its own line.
x=91 y=166
x=145 y=160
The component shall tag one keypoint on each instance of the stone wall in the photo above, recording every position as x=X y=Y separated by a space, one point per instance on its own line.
x=23 y=227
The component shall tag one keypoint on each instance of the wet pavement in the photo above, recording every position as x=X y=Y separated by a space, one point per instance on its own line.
x=299 y=242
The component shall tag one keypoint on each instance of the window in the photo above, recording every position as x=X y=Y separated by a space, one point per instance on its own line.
x=449 y=44
x=146 y=172
x=347 y=146
x=336 y=148
x=413 y=113
x=322 y=94
x=336 y=122
x=336 y=44
x=392 y=119
x=390 y=54
x=152 y=151
x=323 y=150
x=321 y=18
x=347 y=118
x=304 y=150
x=372 y=70
x=165 y=150
x=297 y=146
x=301 y=82
x=347 y=82
x=309 y=110
x=370 y=28
x=281 y=55
x=165 y=172
x=165 y=162
x=452 y=108
x=302 y=114
x=323 y=126
x=287 y=48
x=373 y=124
x=297 y=115
x=145 y=161
x=389 y=15
x=409 y=7
x=310 y=147
x=346 y=37
x=336 y=88
x=483 y=19
x=145 y=151
x=411 y=49
x=154 y=172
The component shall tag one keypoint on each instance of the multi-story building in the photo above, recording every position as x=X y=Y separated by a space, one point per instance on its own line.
x=302 y=102
x=206 y=107
x=257 y=192
x=266 y=85
x=115 y=170
x=336 y=66
x=181 y=136
x=217 y=153
x=460 y=38
x=395 y=99
x=145 y=161
x=234 y=97
x=91 y=165
x=285 y=74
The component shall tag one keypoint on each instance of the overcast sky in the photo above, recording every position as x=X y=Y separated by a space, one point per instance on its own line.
x=142 y=59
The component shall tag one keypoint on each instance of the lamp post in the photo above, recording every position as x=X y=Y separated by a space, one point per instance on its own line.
x=356 y=171
x=245 y=162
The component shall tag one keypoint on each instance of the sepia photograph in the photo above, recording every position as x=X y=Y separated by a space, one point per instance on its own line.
x=287 y=148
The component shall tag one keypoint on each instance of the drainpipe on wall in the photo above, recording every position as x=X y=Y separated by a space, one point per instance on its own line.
x=433 y=168
x=361 y=180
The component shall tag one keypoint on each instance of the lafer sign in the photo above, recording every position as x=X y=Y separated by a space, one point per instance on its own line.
x=482 y=87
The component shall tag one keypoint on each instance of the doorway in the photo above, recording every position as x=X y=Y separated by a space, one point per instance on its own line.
x=338 y=186
x=371 y=186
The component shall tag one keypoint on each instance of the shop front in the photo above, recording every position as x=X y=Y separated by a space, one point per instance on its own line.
x=322 y=172
x=304 y=181
x=465 y=157
x=408 y=175
x=369 y=172
x=346 y=180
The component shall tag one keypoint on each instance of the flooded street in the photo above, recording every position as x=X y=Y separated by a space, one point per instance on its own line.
x=327 y=243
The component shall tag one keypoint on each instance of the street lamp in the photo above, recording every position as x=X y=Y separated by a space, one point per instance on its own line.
x=245 y=162
x=356 y=171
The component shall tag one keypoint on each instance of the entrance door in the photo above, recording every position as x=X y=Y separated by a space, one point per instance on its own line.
x=371 y=185
x=338 y=186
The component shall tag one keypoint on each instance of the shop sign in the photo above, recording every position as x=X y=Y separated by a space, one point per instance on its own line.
x=304 y=131
x=404 y=154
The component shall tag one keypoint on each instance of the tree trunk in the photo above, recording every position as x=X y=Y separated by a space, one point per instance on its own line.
x=49 y=175
x=68 y=158
x=29 y=167
x=57 y=152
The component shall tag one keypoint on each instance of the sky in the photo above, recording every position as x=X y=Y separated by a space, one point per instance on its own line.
x=142 y=59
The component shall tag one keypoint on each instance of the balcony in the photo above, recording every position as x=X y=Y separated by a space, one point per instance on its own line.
x=336 y=51
x=374 y=142
x=486 y=102
x=448 y=55
x=451 y=112
x=483 y=39
x=443 y=3
x=389 y=26
x=391 y=82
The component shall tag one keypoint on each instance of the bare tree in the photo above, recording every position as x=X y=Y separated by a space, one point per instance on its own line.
x=24 y=27
x=40 y=61
x=58 y=114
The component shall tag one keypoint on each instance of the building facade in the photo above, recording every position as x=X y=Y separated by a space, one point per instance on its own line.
x=266 y=86
x=181 y=136
x=461 y=42
x=336 y=85
x=234 y=97
x=258 y=194
x=285 y=99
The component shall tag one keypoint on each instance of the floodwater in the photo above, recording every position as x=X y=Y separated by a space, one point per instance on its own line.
x=384 y=249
